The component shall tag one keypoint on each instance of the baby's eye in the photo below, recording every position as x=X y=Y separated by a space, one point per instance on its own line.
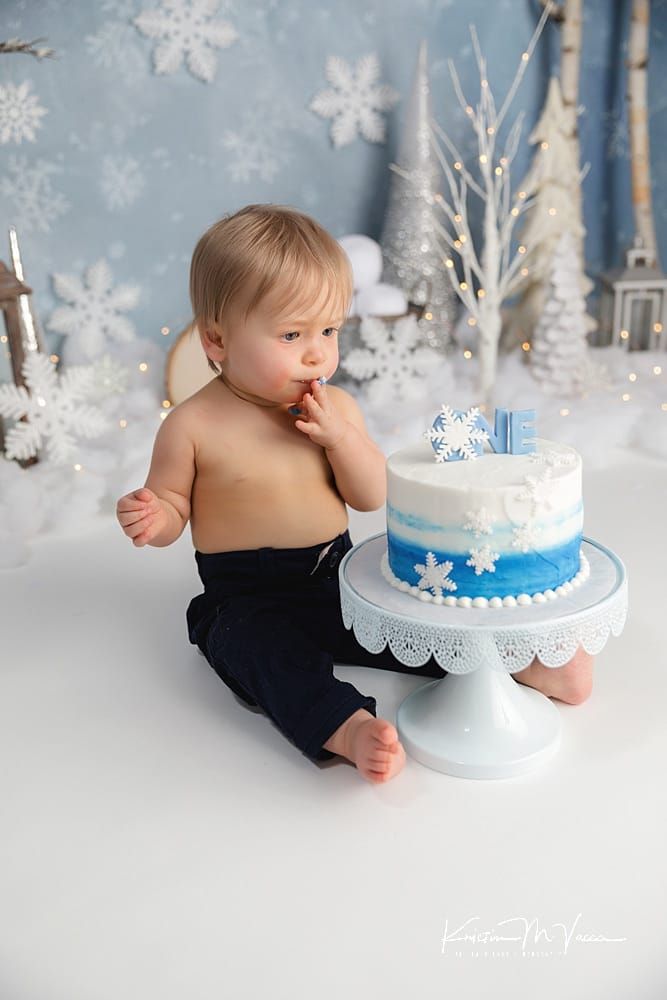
x=289 y=337
x=330 y=331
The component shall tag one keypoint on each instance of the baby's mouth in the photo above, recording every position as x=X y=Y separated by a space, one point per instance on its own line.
x=306 y=381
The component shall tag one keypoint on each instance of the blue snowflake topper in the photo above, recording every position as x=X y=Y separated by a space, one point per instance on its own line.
x=456 y=434
x=461 y=434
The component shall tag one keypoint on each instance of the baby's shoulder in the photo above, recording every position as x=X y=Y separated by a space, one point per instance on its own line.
x=195 y=414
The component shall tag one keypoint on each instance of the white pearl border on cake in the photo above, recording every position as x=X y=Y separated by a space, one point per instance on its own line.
x=521 y=600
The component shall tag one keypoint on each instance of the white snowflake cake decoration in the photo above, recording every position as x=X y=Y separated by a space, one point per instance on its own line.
x=355 y=101
x=554 y=459
x=480 y=522
x=537 y=490
x=483 y=560
x=435 y=576
x=526 y=536
x=453 y=434
x=186 y=29
x=54 y=410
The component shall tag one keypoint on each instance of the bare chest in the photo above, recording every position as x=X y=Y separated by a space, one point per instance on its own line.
x=260 y=458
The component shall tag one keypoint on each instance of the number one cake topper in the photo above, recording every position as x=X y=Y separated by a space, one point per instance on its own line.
x=460 y=434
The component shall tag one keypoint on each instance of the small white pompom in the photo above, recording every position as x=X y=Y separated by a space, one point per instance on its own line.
x=365 y=257
x=381 y=300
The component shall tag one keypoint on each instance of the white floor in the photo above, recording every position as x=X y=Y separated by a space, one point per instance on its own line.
x=158 y=840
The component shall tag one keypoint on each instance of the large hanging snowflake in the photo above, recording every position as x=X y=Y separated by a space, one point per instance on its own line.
x=185 y=29
x=55 y=415
x=20 y=113
x=483 y=560
x=480 y=522
x=392 y=359
x=435 y=576
x=356 y=100
x=94 y=311
x=26 y=187
x=455 y=432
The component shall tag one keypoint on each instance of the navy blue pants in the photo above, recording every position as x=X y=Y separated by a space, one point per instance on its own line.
x=270 y=625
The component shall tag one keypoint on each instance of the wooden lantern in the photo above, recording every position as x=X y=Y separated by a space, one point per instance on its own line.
x=10 y=291
x=633 y=306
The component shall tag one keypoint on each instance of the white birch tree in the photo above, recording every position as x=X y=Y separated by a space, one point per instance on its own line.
x=493 y=274
x=640 y=163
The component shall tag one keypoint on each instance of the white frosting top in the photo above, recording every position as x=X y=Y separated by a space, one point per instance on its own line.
x=416 y=463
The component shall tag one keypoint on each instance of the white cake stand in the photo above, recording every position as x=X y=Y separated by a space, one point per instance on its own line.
x=477 y=722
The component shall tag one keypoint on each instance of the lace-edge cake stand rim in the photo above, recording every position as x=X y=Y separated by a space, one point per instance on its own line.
x=534 y=617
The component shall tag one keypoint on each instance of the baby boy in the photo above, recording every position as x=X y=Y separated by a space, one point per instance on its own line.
x=262 y=461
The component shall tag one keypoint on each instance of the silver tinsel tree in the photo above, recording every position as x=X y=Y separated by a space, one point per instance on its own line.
x=410 y=251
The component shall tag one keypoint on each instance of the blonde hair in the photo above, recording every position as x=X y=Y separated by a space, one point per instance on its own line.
x=260 y=249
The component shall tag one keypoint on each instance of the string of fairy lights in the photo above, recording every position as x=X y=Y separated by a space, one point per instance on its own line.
x=468 y=355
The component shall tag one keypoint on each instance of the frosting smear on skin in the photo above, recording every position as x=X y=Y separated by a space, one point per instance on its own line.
x=481 y=516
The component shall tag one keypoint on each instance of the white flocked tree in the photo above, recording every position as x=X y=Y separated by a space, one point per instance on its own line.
x=555 y=177
x=559 y=358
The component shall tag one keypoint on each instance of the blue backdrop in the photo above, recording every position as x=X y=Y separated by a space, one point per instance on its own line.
x=103 y=157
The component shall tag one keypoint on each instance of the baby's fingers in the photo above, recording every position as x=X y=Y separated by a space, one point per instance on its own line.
x=312 y=405
x=129 y=517
x=138 y=528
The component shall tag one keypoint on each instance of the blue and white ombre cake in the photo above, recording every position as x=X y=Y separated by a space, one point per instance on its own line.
x=481 y=516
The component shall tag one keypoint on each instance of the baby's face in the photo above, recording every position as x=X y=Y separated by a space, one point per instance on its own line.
x=277 y=351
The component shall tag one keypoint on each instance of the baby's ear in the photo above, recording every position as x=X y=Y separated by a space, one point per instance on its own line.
x=212 y=342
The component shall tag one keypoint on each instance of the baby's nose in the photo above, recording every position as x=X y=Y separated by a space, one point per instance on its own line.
x=313 y=354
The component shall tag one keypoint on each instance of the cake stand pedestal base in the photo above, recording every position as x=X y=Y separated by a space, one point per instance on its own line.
x=478 y=722
x=479 y=725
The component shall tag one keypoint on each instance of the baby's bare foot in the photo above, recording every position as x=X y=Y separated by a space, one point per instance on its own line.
x=376 y=750
x=372 y=744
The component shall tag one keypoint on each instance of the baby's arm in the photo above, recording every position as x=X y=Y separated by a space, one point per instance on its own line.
x=336 y=423
x=158 y=513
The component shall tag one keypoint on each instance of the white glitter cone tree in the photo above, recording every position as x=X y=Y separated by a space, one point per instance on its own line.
x=410 y=250
x=494 y=274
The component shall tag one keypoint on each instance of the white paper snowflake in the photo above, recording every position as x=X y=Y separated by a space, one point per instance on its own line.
x=452 y=434
x=56 y=417
x=538 y=491
x=483 y=559
x=480 y=522
x=435 y=576
x=526 y=536
x=121 y=181
x=27 y=188
x=356 y=100
x=20 y=113
x=93 y=315
x=391 y=359
x=185 y=29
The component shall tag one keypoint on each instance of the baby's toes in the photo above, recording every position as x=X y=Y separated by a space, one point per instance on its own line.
x=385 y=734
